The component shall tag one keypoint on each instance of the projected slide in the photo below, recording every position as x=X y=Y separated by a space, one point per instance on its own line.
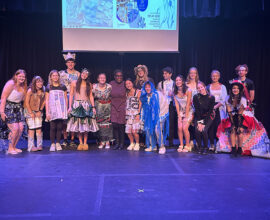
x=120 y=14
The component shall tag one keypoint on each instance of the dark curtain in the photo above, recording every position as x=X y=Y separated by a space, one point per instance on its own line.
x=213 y=37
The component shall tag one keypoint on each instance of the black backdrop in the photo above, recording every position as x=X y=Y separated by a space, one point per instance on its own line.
x=214 y=34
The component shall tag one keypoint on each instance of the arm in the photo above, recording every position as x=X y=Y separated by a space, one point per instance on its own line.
x=27 y=103
x=159 y=87
x=47 y=95
x=189 y=95
x=92 y=102
x=196 y=104
x=177 y=106
x=71 y=94
x=66 y=99
x=6 y=92
x=252 y=95
x=210 y=109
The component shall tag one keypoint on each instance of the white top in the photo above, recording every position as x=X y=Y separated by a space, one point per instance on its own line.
x=163 y=104
x=15 y=96
x=167 y=88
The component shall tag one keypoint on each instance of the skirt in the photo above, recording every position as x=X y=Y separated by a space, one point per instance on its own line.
x=33 y=123
x=14 y=112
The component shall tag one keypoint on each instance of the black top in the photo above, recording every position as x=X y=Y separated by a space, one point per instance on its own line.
x=204 y=105
x=60 y=87
x=248 y=83
x=141 y=82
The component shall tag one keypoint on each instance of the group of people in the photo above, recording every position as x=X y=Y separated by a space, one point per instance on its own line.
x=147 y=114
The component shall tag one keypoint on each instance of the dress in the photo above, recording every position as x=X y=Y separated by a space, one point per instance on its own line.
x=132 y=110
x=81 y=118
x=103 y=109
x=255 y=139
x=66 y=78
x=182 y=102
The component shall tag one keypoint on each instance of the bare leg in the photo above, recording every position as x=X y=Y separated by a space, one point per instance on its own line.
x=137 y=137
x=130 y=137
x=80 y=138
x=85 y=136
x=180 y=131
x=21 y=127
x=14 y=130
x=186 y=132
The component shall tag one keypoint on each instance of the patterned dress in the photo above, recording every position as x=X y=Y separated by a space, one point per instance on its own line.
x=103 y=109
x=182 y=102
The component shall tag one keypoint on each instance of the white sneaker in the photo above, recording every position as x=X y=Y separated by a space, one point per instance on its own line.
x=101 y=146
x=162 y=150
x=52 y=148
x=136 y=147
x=131 y=146
x=58 y=147
x=107 y=146
x=155 y=148
x=149 y=149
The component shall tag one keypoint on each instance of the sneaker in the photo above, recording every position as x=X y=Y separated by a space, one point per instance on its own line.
x=58 y=147
x=107 y=146
x=148 y=149
x=64 y=144
x=131 y=146
x=52 y=148
x=162 y=150
x=136 y=147
x=72 y=144
x=101 y=145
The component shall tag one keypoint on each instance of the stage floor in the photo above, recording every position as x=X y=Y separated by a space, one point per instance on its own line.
x=107 y=184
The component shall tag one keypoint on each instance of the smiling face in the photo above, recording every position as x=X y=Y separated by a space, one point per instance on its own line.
x=70 y=64
x=193 y=74
x=84 y=75
x=141 y=72
x=235 y=90
x=39 y=84
x=102 y=78
x=148 y=88
x=178 y=82
x=55 y=77
x=167 y=75
x=20 y=78
x=129 y=84
x=215 y=77
x=201 y=88
x=242 y=71
x=118 y=77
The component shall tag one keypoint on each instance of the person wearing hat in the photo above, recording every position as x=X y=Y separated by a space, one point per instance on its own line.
x=241 y=133
x=66 y=77
x=166 y=87
x=141 y=73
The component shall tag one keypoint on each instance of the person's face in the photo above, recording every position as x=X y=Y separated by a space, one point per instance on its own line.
x=118 y=77
x=178 y=82
x=148 y=89
x=20 y=78
x=39 y=84
x=192 y=74
x=102 y=79
x=55 y=77
x=129 y=85
x=84 y=75
x=235 y=90
x=167 y=75
x=215 y=77
x=70 y=64
x=242 y=71
x=141 y=73
x=201 y=89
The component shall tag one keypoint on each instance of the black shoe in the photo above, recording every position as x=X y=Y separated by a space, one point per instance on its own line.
x=65 y=144
x=73 y=145
x=121 y=147
x=234 y=152
x=116 y=147
x=205 y=151
x=239 y=151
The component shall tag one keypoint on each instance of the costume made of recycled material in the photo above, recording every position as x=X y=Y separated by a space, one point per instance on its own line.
x=255 y=138
x=155 y=116
x=35 y=102
x=132 y=110
x=182 y=103
x=103 y=112
x=82 y=118
x=67 y=78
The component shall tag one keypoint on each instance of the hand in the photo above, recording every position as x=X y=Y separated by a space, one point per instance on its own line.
x=32 y=115
x=38 y=114
x=170 y=93
x=94 y=111
x=3 y=116
x=202 y=127
x=137 y=117
x=48 y=116
x=69 y=110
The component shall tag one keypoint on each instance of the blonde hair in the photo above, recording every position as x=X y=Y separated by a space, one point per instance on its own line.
x=144 y=69
x=197 y=75
x=19 y=71
x=215 y=71
x=49 y=78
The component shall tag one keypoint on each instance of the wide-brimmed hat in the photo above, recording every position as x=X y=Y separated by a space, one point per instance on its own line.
x=238 y=83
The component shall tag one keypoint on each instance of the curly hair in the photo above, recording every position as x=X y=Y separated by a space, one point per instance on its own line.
x=184 y=86
x=144 y=69
x=32 y=85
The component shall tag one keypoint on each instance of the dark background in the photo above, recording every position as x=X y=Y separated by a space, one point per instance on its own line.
x=214 y=34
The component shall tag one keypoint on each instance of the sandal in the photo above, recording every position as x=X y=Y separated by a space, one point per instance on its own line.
x=180 y=148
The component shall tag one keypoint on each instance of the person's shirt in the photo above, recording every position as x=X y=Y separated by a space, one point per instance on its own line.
x=66 y=78
x=166 y=87
x=204 y=105
x=139 y=84
x=60 y=87
x=249 y=84
x=243 y=103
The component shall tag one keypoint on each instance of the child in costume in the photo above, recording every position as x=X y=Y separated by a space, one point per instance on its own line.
x=82 y=111
x=155 y=116
x=241 y=133
x=34 y=105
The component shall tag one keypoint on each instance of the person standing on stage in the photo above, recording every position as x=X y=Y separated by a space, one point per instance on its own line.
x=182 y=99
x=203 y=116
x=82 y=109
x=118 y=110
x=219 y=91
x=11 y=108
x=34 y=105
x=141 y=73
x=242 y=71
x=56 y=108
x=102 y=96
x=66 y=77
x=166 y=87
x=133 y=110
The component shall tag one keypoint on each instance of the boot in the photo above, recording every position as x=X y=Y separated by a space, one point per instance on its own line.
x=234 y=152
x=239 y=151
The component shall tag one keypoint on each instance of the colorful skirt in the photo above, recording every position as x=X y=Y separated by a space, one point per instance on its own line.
x=133 y=125
x=81 y=118
x=33 y=123
x=14 y=112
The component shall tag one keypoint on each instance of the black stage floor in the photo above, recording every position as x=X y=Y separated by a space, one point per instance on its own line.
x=107 y=184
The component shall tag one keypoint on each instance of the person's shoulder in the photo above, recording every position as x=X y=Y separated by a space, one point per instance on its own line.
x=109 y=85
x=249 y=80
x=10 y=83
x=63 y=87
x=29 y=91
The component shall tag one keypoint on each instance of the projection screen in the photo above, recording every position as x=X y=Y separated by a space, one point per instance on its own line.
x=120 y=25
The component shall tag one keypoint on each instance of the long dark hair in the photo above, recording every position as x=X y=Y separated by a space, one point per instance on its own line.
x=184 y=86
x=34 y=82
x=232 y=96
x=88 y=83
